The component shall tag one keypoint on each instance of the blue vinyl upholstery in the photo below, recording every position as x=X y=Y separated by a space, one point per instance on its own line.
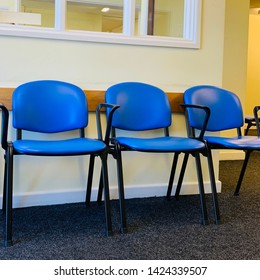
x=144 y=107
x=225 y=112
x=48 y=107
x=138 y=111
x=160 y=144
x=236 y=143
x=76 y=146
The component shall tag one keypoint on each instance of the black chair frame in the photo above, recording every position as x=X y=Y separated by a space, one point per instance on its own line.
x=115 y=150
x=207 y=153
x=7 y=203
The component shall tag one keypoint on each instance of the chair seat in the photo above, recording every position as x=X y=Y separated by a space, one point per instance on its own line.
x=161 y=144
x=240 y=142
x=76 y=146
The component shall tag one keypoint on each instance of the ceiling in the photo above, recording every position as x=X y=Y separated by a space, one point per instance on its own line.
x=254 y=3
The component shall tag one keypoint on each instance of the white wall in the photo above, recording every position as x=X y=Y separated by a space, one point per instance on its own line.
x=97 y=66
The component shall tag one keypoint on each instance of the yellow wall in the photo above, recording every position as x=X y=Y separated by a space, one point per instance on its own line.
x=253 y=80
x=235 y=50
x=97 y=66
x=235 y=47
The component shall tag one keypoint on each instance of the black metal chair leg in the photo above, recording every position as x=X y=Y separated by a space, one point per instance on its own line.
x=242 y=173
x=121 y=190
x=205 y=220
x=100 y=190
x=173 y=170
x=183 y=168
x=106 y=195
x=4 y=188
x=90 y=179
x=8 y=198
x=213 y=187
x=247 y=128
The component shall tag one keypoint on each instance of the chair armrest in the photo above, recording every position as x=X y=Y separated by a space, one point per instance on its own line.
x=4 y=131
x=110 y=112
x=190 y=130
x=256 y=115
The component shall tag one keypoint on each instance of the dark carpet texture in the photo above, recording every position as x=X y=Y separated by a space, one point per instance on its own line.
x=158 y=229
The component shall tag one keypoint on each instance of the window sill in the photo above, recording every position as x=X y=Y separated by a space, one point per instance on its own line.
x=88 y=36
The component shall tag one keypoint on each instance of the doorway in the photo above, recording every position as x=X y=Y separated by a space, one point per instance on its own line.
x=253 y=63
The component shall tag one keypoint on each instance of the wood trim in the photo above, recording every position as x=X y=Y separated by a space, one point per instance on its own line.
x=176 y=99
x=6 y=97
x=96 y=97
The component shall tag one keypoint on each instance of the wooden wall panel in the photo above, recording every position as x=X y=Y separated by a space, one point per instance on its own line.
x=96 y=97
x=6 y=97
x=176 y=99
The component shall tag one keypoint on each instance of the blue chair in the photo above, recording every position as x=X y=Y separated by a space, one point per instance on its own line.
x=48 y=107
x=224 y=113
x=250 y=121
x=144 y=107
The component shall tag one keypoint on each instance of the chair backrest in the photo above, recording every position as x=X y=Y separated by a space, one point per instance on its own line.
x=49 y=106
x=225 y=108
x=142 y=106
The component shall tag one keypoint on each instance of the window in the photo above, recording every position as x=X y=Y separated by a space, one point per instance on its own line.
x=91 y=16
x=46 y=10
x=160 y=18
x=172 y=23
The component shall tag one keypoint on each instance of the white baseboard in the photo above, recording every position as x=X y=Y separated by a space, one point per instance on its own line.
x=231 y=155
x=74 y=196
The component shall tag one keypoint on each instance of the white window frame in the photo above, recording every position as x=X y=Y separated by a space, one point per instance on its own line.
x=190 y=39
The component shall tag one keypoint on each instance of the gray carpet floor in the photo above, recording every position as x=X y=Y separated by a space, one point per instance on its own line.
x=158 y=229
